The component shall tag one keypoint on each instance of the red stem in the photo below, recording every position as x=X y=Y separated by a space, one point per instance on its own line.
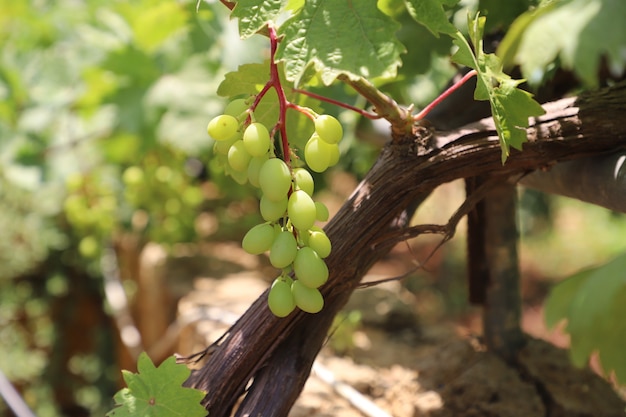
x=442 y=96
x=362 y=112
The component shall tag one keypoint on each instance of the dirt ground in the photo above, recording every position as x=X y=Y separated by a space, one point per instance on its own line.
x=392 y=362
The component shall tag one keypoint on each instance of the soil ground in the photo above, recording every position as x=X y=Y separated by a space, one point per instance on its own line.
x=401 y=365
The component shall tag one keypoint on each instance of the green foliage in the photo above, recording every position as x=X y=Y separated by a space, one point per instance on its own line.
x=158 y=392
x=574 y=34
x=510 y=106
x=594 y=304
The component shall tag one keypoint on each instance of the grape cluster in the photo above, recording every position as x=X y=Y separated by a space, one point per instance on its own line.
x=295 y=244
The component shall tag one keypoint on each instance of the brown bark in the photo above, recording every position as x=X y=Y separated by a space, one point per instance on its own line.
x=278 y=353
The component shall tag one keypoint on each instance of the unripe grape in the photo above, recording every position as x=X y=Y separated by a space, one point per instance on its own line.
x=333 y=154
x=283 y=250
x=321 y=212
x=280 y=298
x=271 y=211
x=258 y=239
x=304 y=180
x=301 y=210
x=310 y=268
x=316 y=154
x=223 y=146
x=328 y=128
x=307 y=299
x=254 y=168
x=236 y=108
x=223 y=127
x=256 y=138
x=320 y=243
x=240 y=177
x=238 y=157
x=275 y=179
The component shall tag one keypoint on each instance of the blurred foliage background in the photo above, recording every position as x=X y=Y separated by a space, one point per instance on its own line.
x=103 y=109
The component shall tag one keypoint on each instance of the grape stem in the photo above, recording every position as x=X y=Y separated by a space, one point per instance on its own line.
x=422 y=114
x=362 y=112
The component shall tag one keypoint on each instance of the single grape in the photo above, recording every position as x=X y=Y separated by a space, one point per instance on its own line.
x=316 y=154
x=254 y=168
x=275 y=179
x=321 y=212
x=283 y=250
x=238 y=157
x=133 y=176
x=222 y=147
x=240 y=177
x=222 y=127
x=89 y=247
x=307 y=299
x=328 y=128
x=258 y=239
x=301 y=210
x=280 y=299
x=256 y=138
x=271 y=211
x=236 y=108
x=304 y=180
x=320 y=243
x=333 y=154
x=310 y=268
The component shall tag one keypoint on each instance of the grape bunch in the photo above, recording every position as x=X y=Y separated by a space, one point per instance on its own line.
x=297 y=247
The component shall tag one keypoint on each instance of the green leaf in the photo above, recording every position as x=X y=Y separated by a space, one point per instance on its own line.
x=510 y=106
x=594 y=303
x=157 y=24
x=431 y=14
x=340 y=37
x=254 y=14
x=158 y=392
x=249 y=79
x=577 y=33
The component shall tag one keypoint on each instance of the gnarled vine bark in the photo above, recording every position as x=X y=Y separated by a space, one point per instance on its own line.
x=277 y=354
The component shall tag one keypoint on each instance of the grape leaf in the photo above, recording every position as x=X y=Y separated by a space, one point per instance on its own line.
x=254 y=14
x=594 y=302
x=157 y=392
x=430 y=13
x=568 y=30
x=340 y=37
x=510 y=106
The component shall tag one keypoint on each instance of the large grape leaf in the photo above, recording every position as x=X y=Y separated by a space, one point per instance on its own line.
x=157 y=392
x=340 y=37
x=510 y=106
x=254 y=14
x=579 y=33
x=432 y=15
x=594 y=304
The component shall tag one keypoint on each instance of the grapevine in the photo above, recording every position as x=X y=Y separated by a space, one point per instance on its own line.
x=262 y=155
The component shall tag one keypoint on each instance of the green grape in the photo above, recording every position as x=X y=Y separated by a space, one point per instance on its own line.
x=223 y=127
x=333 y=154
x=320 y=243
x=254 y=168
x=307 y=299
x=280 y=299
x=321 y=212
x=301 y=210
x=316 y=154
x=88 y=247
x=283 y=250
x=275 y=179
x=271 y=211
x=310 y=268
x=304 y=180
x=223 y=146
x=133 y=176
x=236 y=108
x=256 y=138
x=258 y=239
x=328 y=128
x=238 y=157
x=240 y=177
